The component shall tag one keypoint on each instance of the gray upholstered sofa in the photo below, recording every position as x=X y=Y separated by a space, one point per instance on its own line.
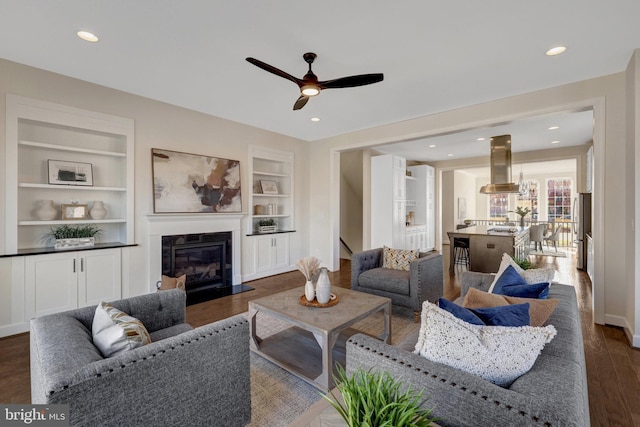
x=553 y=393
x=185 y=376
x=407 y=289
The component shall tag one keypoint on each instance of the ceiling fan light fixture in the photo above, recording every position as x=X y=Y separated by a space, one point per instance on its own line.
x=87 y=36
x=309 y=90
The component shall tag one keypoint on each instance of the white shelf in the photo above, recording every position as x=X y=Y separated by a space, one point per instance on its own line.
x=67 y=222
x=410 y=178
x=271 y=216
x=270 y=195
x=284 y=175
x=74 y=149
x=69 y=187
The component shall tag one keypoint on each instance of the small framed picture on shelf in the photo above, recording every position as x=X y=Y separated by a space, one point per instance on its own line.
x=75 y=212
x=268 y=187
x=70 y=173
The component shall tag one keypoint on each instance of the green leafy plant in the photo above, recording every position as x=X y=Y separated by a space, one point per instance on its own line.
x=267 y=222
x=71 y=232
x=521 y=212
x=524 y=263
x=375 y=399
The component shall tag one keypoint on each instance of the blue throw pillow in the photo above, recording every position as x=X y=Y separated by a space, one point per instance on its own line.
x=509 y=277
x=505 y=315
x=460 y=312
x=537 y=290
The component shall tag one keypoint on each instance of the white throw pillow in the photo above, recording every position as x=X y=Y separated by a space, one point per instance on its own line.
x=531 y=276
x=115 y=332
x=499 y=354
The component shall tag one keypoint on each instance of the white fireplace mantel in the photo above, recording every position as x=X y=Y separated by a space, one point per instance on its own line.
x=170 y=224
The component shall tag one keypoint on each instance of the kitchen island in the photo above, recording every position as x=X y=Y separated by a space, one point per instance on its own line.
x=487 y=243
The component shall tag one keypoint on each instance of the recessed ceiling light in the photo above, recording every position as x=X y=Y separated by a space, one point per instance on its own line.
x=86 y=35
x=555 y=142
x=554 y=127
x=449 y=155
x=480 y=139
x=315 y=119
x=557 y=50
x=432 y=145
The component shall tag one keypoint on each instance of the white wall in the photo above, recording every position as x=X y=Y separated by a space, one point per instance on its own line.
x=351 y=201
x=632 y=207
x=448 y=201
x=606 y=94
x=157 y=125
x=464 y=186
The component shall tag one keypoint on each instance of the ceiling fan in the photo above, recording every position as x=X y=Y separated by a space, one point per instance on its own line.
x=309 y=84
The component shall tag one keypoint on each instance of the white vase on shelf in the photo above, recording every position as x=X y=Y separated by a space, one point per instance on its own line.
x=47 y=211
x=98 y=210
x=323 y=287
x=309 y=292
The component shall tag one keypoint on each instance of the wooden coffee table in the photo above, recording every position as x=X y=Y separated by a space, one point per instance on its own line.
x=315 y=342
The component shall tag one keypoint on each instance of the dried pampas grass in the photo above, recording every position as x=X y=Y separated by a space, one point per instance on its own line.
x=308 y=266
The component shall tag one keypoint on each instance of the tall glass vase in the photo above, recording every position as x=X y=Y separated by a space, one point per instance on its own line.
x=323 y=286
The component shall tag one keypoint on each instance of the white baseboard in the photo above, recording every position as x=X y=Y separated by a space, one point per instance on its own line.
x=622 y=322
x=14 y=328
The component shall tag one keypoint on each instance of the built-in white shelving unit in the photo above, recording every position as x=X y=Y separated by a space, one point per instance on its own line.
x=38 y=131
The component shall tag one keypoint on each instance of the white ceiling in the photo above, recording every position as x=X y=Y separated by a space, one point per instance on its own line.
x=435 y=55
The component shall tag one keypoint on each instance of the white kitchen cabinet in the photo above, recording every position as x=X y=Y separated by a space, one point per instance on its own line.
x=65 y=281
x=590 y=257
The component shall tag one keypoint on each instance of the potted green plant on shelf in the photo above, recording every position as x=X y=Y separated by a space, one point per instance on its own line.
x=267 y=225
x=521 y=213
x=71 y=237
x=375 y=399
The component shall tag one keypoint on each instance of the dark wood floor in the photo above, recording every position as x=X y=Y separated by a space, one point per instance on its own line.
x=613 y=367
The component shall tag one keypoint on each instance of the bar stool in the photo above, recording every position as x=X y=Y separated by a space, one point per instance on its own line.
x=461 y=251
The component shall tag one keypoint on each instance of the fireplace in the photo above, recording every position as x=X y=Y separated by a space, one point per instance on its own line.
x=207 y=261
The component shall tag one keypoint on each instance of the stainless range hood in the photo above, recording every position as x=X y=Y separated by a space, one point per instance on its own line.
x=500 y=167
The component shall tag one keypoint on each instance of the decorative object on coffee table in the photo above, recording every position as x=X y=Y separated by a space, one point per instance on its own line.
x=323 y=286
x=308 y=266
x=333 y=300
x=376 y=399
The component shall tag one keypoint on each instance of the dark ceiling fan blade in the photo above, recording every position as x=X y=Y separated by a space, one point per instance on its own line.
x=274 y=70
x=352 y=81
x=300 y=102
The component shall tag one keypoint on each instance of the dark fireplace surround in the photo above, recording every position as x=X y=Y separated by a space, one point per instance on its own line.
x=206 y=259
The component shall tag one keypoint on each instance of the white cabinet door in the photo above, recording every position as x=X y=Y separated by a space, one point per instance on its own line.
x=399 y=225
x=263 y=246
x=66 y=281
x=99 y=277
x=281 y=251
x=51 y=284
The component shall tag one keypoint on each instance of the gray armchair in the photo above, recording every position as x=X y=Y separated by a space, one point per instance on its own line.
x=185 y=376
x=407 y=289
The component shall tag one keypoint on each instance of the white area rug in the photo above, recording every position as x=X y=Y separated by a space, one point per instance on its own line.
x=549 y=252
x=278 y=397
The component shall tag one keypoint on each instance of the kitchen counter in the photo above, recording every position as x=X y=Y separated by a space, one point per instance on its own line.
x=488 y=243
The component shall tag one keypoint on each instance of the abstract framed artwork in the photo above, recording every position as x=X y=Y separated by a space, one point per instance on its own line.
x=70 y=173
x=192 y=183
